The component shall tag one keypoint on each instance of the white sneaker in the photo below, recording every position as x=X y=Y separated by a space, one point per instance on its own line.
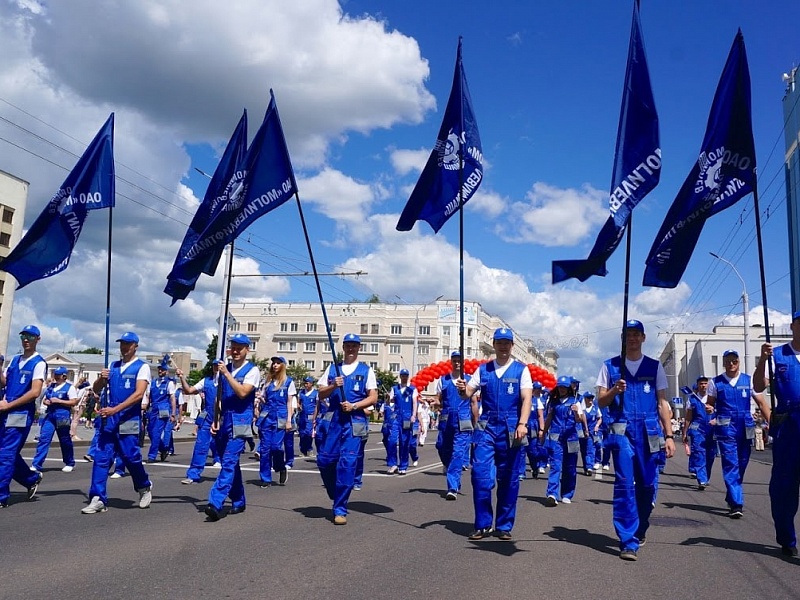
x=217 y=464
x=116 y=476
x=415 y=463
x=566 y=501
x=145 y=497
x=551 y=501
x=34 y=469
x=67 y=468
x=392 y=470
x=95 y=506
x=606 y=467
x=542 y=471
x=596 y=466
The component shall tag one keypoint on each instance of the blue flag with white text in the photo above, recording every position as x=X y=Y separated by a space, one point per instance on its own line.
x=46 y=248
x=724 y=173
x=637 y=163
x=186 y=271
x=454 y=170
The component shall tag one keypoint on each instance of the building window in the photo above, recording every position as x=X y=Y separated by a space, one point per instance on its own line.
x=326 y=347
x=469 y=331
x=375 y=329
x=424 y=329
x=293 y=327
x=332 y=327
x=326 y=364
x=373 y=348
x=394 y=349
x=394 y=367
x=397 y=330
x=364 y=328
x=311 y=346
x=468 y=350
x=252 y=326
x=287 y=346
x=423 y=350
x=309 y=364
x=284 y=327
x=311 y=327
x=253 y=345
x=290 y=362
x=422 y=366
x=374 y=365
x=8 y=215
x=446 y=351
x=5 y=239
x=233 y=325
x=2 y=286
x=446 y=330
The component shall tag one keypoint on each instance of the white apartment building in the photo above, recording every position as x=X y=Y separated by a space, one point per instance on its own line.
x=13 y=199
x=393 y=336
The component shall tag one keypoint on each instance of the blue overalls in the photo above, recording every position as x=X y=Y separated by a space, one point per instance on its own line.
x=785 y=432
x=495 y=457
x=536 y=451
x=735 y=431
x=390 y=430
x=404 y=401
x=57 y=419
x=604 y=433
x=160 y=412
x=562 y=441
x=702 y=445
x=235 y=425
x=271 y=425
x=633 y=438
x=204 y=420
x=119 y=434
x=305 y=427
x=15 y=426
x=455 y=433
x=341 y=444
x=320 y=424
x=591 y=445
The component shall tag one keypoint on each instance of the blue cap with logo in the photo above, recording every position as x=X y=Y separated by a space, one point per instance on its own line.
x=537 y=385
x=634 y=324
x=503 y=334
x=403 y=372
x=240 y=338
x=564 y=381
x=308 y=379
x=796 y=315
x=455 y=354
x=728 y=353
x=60 y=371
x=31 y=330
x=351 y=338
x=128 y=337
x=279 y=359
x=702 y=378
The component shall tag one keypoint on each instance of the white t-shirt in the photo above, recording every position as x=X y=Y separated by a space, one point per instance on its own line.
x=372 y=382
x=525 y=381
x=603 y=379
x=71 y=393
x=402 y=389
x=39 y=371
x=252 y=377
x=712 y=389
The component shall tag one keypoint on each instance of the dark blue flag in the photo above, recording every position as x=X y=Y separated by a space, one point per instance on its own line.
x=186 y=271
x=46 y=248
x=637 y=163
x=725 y=171
x=455 y=167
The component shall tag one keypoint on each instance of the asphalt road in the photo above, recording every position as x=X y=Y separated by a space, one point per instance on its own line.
x=402 y=540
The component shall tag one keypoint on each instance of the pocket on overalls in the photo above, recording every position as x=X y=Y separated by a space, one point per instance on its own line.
x=129 y=427
x=241 y=426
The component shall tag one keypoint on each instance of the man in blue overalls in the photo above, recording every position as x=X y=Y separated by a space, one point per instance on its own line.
x=23 y=380
x=405 y=398
x=390 y=430
x=505 y=386
x=350 y=388
x=636 y=399
x=233 y=421
x=785 y=431
x=208 y=388
x=162 y=413
x=455 y=426
x=59 y=399
x=536 y=452
x=126 y=381
x=307 y=400
x=730 y=393
x=699 y=434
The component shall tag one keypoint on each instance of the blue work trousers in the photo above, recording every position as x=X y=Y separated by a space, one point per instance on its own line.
x=12 y=466
x=229 y=481
x=111 y=444
x=562 y=478
x=784 y=484
x=495 y=460
x=453 y=447
x=271 y=449
x=48 y=428
x=336 y=461
x=202 y=444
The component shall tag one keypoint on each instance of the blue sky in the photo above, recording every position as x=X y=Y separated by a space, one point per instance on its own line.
x=361 y=87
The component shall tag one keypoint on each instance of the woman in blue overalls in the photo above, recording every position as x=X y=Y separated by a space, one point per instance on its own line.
x=274 y=422
x=564 y=421
x=592 y=444
x=59 y=398
x=390 y=430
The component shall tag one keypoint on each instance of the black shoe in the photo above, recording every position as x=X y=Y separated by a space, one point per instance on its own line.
x=479 y=534
x=504 y=535
x=33 y=489
x=3 y=504
x=265 y=484
x=283 y=476
x=88 y=458
x=736 y=512
x=236 y=510
x=642 y=541
x=628 y=555
x=212 y=513
x=789 y=551
x=163 y=456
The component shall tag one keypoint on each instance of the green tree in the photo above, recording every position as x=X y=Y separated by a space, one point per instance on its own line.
x=374 y=299
x=297 y=372
x=387 y=381
x=91 y=350
x=194 y=376
x=211 y=355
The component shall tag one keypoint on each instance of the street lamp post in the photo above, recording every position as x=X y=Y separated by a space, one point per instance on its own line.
x=746 y=307
x=416 y=328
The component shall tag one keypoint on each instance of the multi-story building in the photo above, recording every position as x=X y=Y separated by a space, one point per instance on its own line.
x=90 y=365
x=791 y=118
x=393 y=336
x=13 y=198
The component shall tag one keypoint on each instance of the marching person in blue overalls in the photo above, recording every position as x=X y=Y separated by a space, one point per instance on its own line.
x=636 y=399
x=126 y=382
x=730 y=393
x=561 y=431
x=350 y=389
x=455 y=426
x=505 y=386
x=320 y=423
x=784 y=482
x=699 y=434
x=536 y=451
x=405 y=398
x=207 y=387
x=592 y=444
x=307 y=401
x=59 y=398
x=390 y=432
x=162 y=412
x=23 y=380
x=274 y=422
x=233 y=421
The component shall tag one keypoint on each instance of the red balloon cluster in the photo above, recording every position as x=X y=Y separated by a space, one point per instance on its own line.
x=423 y=378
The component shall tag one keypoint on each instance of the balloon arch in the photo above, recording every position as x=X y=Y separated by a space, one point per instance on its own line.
x=423 y=378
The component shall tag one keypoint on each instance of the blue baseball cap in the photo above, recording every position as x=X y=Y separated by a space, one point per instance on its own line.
x=564 y=381
x=60 y=371
x=537 y=385
x=702 y=378
x=32 y=330
x=796 y=315
x=128 y=337
x=351 y=338
x=503 y=334
x=403 y=372
x=730 y=353
x=634 y=324
x=588 y=394
x=240 y=338
x=279 y=359
x=308 y=379
x=455 y=354
x=575 y=380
